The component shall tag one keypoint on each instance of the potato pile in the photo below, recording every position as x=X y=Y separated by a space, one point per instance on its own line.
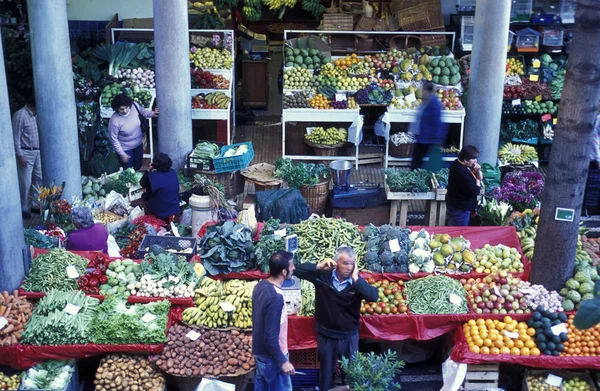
x=128 y=373
x=213 y=354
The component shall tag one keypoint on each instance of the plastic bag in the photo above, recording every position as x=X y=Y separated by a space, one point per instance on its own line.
x=113 y=247
x=355 y=134
x=287 y=205
x=114 y=198
x=382 y=126
x=214 y=385
x=135 y=213
x=453 y=374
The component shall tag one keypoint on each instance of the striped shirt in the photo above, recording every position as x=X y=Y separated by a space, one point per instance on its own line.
x=25 y=130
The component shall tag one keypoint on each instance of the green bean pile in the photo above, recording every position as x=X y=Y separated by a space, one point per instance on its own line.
x=50 y=324
x=49 y=271
x=319 y=238
x=307 y=305
x=431 y=295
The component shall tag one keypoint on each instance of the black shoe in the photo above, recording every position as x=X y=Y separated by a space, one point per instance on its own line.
x=26 y=215
x=35 y=210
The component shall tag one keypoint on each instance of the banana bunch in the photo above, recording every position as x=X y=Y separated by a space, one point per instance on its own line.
x=517 y=153
x=527 y=237
x=276 y=4
x=201 y=6
x=253 y=13
x=581 y=256
x=314 y=7
x=221 y=304
x=219 y=99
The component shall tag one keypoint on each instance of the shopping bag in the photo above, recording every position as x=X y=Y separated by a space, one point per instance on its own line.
x=382 y=126
x=214 y=385
x=355 y=134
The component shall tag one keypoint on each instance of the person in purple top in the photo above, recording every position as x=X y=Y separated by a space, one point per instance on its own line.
x=125 y=131
x=88 y=236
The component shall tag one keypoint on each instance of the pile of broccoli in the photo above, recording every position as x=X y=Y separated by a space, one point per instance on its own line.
x=379 y=258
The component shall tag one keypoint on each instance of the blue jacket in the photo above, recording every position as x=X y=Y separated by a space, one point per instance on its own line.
x=431 y=128
x=162 y=193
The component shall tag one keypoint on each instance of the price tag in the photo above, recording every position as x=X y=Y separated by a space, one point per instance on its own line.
x=340 y=97
x=546 y=117
x=291 y=243
x=72 y=309
x=538 y=98
x=497 y=291
x=309 y=130
x=511 y=335
x=281 y=232
x=410 y=98
x=289 y=93
x=535 y=63
x=554 y=121
x=72 y=272
x=227 y=306
x=553 y=380
x=455 y=299
x=193 y=335
x=516 y=102
x=534 y=77
x=527 y=291
x=3 y=322
x=394 y=245
x=148 y=317
x=559 y=328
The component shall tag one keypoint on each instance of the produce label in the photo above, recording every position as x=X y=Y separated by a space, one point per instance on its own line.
x=554 y=121
x=309 y=130
x=553 y=380
x=410 y=98
x=289 y=93
x=193 y=335
x=497 y=291
x=511 y=334
x=281 y=232
x=559 y=328
x=516 y=102
x=3 y=322
x=564 y=214
x=72 y=309
x=455 y=299
x=148 y=317
x=72 y=272
x=291 y=243
x=227 y=306
x=534 y=77
x=394 y=245
x=340 y=97
x=546 y=117
x=538 y=98
x=535 y=63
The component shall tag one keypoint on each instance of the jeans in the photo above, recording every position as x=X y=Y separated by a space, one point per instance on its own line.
x=135 y=158
x=28 y=176
x=457 y=217
x=269 y=376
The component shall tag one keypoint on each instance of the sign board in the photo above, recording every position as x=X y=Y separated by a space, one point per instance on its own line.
x=564 y=214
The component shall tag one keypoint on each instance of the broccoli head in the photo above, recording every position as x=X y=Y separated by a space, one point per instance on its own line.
x=370 y=231
x=386 y=258
x=403 y=268
x=373 y=244
x=370 y=257
x=375 y=267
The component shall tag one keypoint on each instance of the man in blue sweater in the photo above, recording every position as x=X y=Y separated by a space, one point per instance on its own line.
x=338 y=293
x=431 y=132
x=269 y=327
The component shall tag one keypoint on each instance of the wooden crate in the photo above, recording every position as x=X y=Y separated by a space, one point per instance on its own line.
x=480 y=377
x=378 y=215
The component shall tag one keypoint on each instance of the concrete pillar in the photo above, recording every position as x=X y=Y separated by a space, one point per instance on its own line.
x=486 y=83
x=173 y=83
x=55 y=95
x=12 y=242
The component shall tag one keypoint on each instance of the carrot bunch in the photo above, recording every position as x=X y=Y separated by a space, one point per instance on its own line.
x=16 y=310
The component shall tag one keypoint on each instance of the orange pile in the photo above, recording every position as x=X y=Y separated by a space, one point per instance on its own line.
x=320 y=102
x=488 y=337
x=582 y=342
x=345 y=62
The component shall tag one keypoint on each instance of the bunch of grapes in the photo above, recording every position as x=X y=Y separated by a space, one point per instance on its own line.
x=340 y=105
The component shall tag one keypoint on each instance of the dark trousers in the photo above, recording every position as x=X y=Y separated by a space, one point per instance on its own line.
x=330 y=351
x=419 y=152
x=136 y=155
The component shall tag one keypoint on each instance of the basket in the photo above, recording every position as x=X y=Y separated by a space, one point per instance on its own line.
x=434 y=40
x=233 y=182
x=338 y=22
x=324 y=150
x=304 y=358
x=233 y=163
x=352 y=7
x=179 y=244
x=402 y=150
x=405 y=41
x=365 y=24
x=414 y=18
x=363 y=44
x=316 y=196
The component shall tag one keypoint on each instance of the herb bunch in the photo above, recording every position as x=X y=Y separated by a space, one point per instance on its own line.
x=371 y=372
x=297 y=175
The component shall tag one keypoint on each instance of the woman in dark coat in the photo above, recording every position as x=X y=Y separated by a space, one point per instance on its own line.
x=161 y=188
x=464 y=185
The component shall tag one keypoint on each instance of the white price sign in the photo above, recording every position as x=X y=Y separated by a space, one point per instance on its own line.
x=193 y=335
x=455 y=299
x=394 y=245
x=227 y=306
x=559 y=328
x=72 y=272
x=281 y=232
x=511 y=335
x=148 y=317
x=497 y=291
x=554 y=380
x=410 y=98
x=3 y=322
x=516 y=102
x=340 y=97
x=72 y=309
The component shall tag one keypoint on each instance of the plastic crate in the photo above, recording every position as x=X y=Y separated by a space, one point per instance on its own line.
x=73 y=383
x=520 y=10
x=233 y=163
x=310 y=380
x=304 y=358
x=528 y=40
x=567 y=11
x=553 y=36
x=202 y=164
x=169 y=243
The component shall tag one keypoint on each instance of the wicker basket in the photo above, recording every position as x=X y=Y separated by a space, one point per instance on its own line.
x=402 y=150
x=414 y=18
x=324 y=150
x=338 y=22
x=316 y=196
x=365 y=24
x=434 y=40
x=405 y=41
x=233 y=182
x=352 y=7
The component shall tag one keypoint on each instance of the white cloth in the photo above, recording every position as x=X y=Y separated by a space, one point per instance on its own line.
x=28 y=176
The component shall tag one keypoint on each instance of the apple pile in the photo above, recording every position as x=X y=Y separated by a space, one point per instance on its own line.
x=449 y=98
x=387 y=84
x=390 y=299
x=497 y=293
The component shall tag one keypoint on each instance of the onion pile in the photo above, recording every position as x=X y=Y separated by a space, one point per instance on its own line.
x=142 y=77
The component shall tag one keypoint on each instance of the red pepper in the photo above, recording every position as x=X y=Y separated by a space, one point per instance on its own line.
x=94 y=282
x=93 y=291
x=84 y=279
x=103 y=279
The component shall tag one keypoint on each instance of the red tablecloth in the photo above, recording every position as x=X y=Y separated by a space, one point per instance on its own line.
x=462 y=354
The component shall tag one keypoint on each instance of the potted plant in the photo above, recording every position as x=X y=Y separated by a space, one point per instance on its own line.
x=311 y=179
x=371 y=372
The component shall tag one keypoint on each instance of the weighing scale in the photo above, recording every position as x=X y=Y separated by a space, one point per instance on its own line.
x=355 y=195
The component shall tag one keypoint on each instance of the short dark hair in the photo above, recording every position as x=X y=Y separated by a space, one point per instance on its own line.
x=121 y=100
x=468 y=152
x=429 y=87
x=162 y=162
x=280 y=261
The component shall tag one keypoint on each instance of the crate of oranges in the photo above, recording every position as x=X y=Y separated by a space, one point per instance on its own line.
x=581 y=342
x=506 y=336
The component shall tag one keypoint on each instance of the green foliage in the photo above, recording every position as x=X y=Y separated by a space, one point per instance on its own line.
x=300 y=174
x=588 y=314
x=416 y=181
x=314 y=7
x=268 y=244
x=371 y=372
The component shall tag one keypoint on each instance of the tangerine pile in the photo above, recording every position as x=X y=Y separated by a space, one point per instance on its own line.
x=490 y=337
x=320 y=102
x=582 y=342
x=345 y=62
